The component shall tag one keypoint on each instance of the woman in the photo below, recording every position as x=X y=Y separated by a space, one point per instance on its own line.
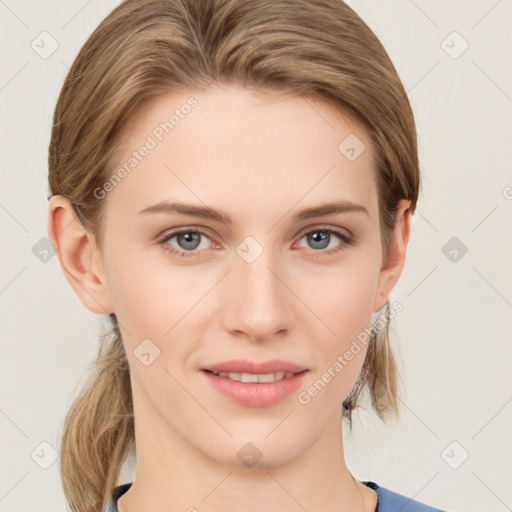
x=232 y=183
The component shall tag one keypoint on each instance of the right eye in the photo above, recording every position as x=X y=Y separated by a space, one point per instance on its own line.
x=188 y=240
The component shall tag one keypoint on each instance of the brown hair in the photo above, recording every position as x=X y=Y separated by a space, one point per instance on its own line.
x=146 y=48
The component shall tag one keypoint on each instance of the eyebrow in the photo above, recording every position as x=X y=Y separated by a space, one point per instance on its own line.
x=206 y=212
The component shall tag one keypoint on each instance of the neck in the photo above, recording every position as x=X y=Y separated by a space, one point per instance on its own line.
x=172 y=474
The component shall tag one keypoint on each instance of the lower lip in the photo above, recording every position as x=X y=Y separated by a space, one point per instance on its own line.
x=256 y=394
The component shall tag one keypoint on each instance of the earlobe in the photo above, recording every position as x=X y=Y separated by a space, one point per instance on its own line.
x=394 y=261
x=78 y=254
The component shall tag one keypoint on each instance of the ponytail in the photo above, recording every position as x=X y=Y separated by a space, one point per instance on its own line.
x=98 y=431
x=378 y=375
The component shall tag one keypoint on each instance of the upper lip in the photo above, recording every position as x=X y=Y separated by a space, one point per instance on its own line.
x=259 y=368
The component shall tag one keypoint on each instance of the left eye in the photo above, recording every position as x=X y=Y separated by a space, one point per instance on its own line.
x=320 y=239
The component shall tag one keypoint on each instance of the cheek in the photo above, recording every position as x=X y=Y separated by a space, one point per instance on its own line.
x=159 y=302
x=345 y=299
x=344 y=306
x=341 y=349
x=145 y=302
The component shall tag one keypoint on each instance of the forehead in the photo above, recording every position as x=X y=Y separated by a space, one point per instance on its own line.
x=229 y=144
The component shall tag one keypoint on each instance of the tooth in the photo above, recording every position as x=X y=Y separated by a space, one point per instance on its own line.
x=248 y=377
x=252 y=377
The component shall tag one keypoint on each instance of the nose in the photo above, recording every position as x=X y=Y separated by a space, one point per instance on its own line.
x=258 y=301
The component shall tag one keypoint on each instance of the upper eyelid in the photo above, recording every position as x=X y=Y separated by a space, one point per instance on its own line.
x=184 y=229
x=326 y=227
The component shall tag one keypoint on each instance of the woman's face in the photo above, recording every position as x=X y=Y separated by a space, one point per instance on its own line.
x=272 y=280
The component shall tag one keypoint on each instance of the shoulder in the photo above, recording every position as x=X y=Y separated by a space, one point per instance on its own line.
x=389 y=501
x=118 y=491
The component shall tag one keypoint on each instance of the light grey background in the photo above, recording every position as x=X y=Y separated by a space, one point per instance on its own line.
x=453 y=334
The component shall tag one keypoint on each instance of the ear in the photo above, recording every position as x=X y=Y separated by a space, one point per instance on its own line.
x=394 y=261
x=79 y=257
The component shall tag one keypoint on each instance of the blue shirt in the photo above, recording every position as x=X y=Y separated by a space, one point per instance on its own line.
x=389 y=501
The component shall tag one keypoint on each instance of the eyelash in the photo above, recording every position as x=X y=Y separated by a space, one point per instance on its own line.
x=345 y=241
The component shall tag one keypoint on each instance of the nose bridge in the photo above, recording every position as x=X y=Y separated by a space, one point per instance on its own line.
x=259 y=302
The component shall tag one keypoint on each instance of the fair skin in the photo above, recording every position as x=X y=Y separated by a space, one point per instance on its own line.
x=260 y=159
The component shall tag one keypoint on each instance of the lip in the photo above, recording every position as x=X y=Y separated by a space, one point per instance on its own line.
x=247 y=366
x=255 y=394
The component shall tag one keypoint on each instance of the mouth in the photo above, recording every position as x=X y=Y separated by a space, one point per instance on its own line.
x=263 y=368
x=255 y=384
x=255 y=377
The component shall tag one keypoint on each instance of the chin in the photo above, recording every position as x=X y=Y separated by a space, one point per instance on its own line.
x=257 y=450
